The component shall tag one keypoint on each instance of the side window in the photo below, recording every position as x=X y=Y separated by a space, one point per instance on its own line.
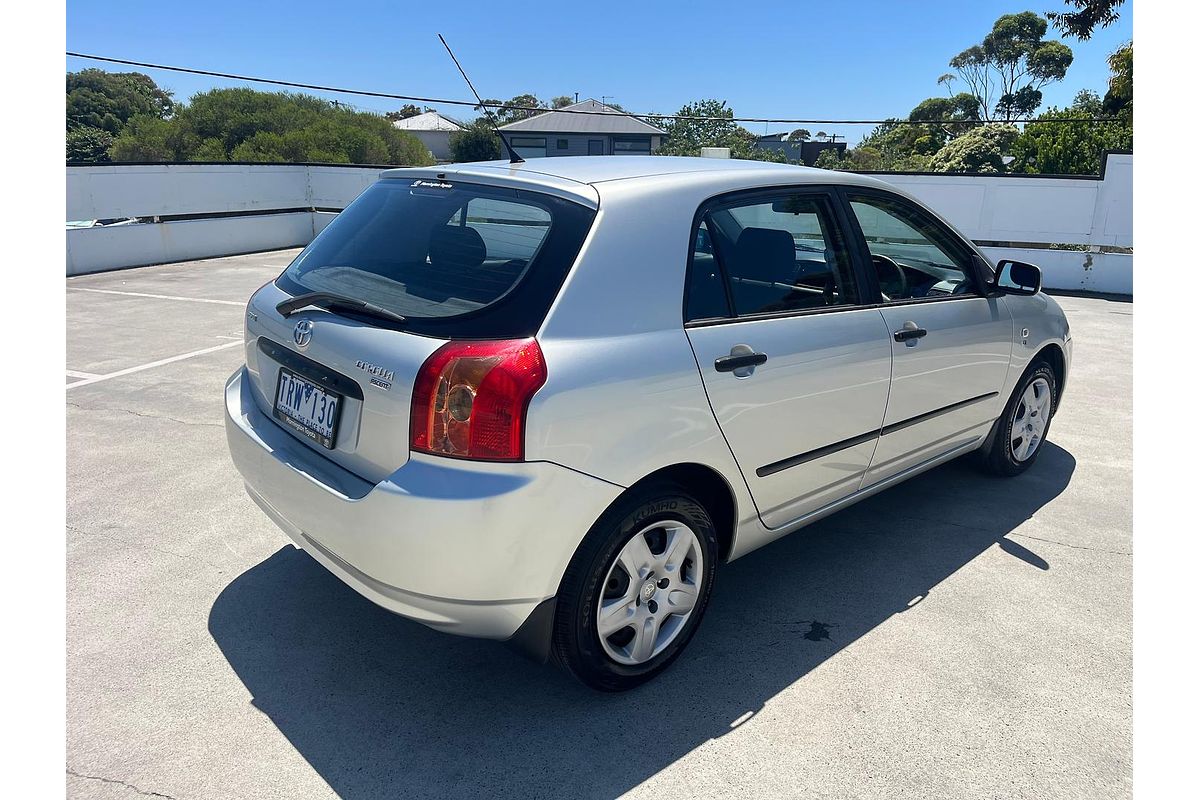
x=911 y=255
x=783 y=254
x=706 y=287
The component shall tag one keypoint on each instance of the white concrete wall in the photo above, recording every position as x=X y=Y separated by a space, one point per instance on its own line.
x=163 y=190
x=105 y=248
x=1083 y=211
x=1079 y=211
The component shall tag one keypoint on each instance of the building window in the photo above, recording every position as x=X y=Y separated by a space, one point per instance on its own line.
x=632 y=147
x=562 y=144
x=529 y=146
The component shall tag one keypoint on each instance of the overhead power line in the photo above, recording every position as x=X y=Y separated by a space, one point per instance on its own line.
x=539 y=110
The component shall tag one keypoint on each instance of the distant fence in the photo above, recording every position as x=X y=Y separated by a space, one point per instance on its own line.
x=211 y=210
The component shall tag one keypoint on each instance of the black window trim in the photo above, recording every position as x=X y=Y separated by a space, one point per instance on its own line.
x=837 y=207
x=972 y=254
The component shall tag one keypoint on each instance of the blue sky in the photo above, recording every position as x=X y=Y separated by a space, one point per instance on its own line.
x=870 y=59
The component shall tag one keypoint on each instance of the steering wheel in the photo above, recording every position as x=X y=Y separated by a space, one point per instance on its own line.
x=897 y=286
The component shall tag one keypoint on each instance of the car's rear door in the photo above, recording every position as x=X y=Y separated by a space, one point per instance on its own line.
x=796 y=367
x=951 y=344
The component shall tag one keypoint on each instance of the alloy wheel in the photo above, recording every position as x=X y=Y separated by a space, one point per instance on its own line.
x=1030 y=418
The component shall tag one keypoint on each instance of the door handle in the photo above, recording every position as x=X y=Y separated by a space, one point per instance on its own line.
x=909 y=332
x=730 y=363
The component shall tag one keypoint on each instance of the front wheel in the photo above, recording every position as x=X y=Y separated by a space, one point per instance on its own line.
x=1023 y=427
x=635 y=591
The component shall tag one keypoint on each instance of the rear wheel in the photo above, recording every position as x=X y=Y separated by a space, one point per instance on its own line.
x=1025 y=423
x=636 y=589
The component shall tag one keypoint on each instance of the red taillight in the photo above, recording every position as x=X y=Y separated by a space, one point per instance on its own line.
x=470 y=398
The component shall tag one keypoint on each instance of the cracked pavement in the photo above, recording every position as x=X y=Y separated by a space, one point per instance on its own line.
x=973 y=636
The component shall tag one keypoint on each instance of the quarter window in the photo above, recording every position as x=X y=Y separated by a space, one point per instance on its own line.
x=911 y=255
x=782 y=253
x=706 y=297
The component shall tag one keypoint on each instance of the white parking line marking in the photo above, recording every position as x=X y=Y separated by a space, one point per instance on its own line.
x=158 y=296
x=74 y=373
x=152 y=365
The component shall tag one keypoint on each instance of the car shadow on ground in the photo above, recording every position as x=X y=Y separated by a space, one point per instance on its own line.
x=380 y=706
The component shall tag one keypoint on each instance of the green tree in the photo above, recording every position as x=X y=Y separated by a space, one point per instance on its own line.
x=1008 y=69
x=147 y=138
x=475 y=142
x=562 y=101
x=1119 y=97
x=905 y=147
x=407 y=110
x=249 y=125
x=863 y=158
x=1089 y=14
x=517 y=108
x=1070 y=148
x=209 y=150
x=108 y=100
x=981 y=149
x=829 y=159
x=685 y=137
x=799 y=135
x=87 y=144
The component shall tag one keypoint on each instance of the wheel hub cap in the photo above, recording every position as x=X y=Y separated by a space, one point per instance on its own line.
x=653 y=587
x=1030 y=418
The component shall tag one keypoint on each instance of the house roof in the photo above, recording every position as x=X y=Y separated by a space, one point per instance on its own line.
x=608 y=120
x=429 y=121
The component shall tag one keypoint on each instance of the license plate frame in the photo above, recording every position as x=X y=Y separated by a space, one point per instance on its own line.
x=298 y=424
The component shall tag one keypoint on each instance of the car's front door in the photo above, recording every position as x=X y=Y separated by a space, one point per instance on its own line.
x=951 y=344
x=795 y=367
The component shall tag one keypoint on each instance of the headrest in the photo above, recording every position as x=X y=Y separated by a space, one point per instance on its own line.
x=766 y=254
x=456 y=247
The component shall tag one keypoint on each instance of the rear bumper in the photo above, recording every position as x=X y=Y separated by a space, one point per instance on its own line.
x=466 y=547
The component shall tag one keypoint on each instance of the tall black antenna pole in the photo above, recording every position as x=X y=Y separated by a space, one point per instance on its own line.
x=513 y=158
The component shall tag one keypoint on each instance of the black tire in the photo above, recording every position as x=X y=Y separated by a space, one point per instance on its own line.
x=997 y=456
x=576 y=643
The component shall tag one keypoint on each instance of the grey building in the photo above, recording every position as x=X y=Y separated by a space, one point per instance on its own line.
x=609 y=132
x=798 y=152
x=433 y=129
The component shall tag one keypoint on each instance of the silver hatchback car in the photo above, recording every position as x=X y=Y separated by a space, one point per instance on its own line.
x=541 y=402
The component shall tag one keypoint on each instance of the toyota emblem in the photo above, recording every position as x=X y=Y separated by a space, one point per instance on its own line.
x=302 y=335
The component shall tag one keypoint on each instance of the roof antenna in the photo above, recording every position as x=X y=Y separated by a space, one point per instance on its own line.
x=513 y=158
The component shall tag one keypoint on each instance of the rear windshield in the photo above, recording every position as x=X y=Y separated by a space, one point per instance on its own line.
x=456 y=259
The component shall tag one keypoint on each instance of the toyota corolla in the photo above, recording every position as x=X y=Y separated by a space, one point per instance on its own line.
x=544 y=402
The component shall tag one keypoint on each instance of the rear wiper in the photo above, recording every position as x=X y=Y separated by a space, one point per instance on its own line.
x=331 y=300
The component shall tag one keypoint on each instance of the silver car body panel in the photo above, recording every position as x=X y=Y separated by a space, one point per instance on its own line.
x=825 y=381
x=473 y=547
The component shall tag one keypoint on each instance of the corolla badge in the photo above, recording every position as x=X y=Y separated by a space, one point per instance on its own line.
x=302 y=334
x=381 y=377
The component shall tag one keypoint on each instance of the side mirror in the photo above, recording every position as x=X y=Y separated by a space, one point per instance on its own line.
x=1017 y=277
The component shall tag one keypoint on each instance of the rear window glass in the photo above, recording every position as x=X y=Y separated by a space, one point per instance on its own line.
x=436 y=251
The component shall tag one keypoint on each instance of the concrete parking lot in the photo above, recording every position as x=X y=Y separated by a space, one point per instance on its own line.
x=956 y=636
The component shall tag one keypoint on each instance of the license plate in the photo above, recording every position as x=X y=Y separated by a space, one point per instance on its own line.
x=307 y=408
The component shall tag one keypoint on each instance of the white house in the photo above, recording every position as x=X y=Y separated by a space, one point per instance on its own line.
x=433 y=130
